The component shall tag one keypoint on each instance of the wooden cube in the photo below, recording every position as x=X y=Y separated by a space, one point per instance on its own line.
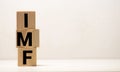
x=27 y=38
x=27 y=56
x=25 y=20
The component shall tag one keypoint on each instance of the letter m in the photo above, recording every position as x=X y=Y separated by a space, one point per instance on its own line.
x=24 y=41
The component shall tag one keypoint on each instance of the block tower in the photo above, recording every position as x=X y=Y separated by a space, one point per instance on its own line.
x=27 y=38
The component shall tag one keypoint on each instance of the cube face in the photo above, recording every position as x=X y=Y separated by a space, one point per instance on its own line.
x=27 y=56
x=25 y=20
x=27 y=38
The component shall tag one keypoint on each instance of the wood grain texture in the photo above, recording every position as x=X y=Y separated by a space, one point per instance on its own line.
x=21 y=20
x=35 y=38
x=29 y=62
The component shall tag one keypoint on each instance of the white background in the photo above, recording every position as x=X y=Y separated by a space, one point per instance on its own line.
x=69 y=29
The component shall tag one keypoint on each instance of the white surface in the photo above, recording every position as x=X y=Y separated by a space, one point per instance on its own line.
x=63 y=65
x=69 y=29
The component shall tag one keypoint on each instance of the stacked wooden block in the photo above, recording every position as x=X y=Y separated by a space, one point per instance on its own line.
x=27 y=38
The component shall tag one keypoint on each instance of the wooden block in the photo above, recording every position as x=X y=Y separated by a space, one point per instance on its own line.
x=27 y=56
x=25 y=20
x=27 y=38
